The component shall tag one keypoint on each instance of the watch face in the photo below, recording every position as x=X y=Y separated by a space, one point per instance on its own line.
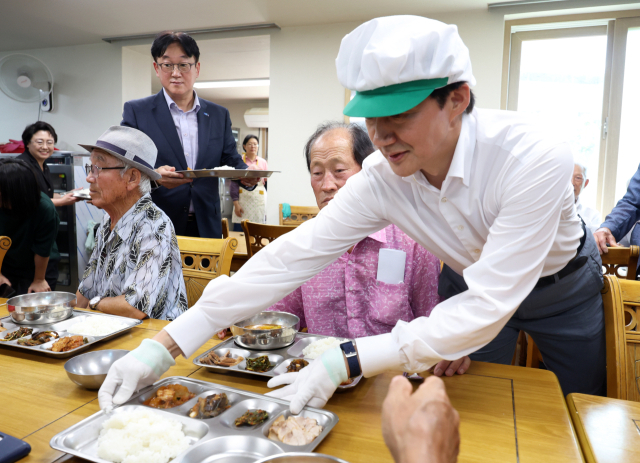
x=94 y=301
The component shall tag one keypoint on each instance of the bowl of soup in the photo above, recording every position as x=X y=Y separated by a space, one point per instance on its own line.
x=266 y=330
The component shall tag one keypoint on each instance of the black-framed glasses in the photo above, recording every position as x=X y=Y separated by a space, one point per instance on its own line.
x=95 y=170
x=169 y=67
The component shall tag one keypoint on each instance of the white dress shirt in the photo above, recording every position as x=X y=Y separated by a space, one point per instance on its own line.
x=504 y=217
x=591 y=217
x=187 y=127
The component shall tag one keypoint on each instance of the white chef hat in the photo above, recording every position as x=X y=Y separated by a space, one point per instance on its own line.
x=394 y=63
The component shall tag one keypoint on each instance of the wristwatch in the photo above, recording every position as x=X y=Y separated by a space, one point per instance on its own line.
x=93 y=303
x=349 y=350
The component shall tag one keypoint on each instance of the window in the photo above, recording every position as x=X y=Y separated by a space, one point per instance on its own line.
x=578 y=76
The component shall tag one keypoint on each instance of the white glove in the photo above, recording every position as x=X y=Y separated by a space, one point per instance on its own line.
x=314 y=384
x=139 y=368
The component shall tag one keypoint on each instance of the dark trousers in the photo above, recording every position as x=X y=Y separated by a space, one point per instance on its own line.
x=566 y=321
x=21 y=285
x=192 y=227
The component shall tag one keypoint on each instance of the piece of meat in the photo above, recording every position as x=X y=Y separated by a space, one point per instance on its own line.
x=68 y=343
x=295 y=430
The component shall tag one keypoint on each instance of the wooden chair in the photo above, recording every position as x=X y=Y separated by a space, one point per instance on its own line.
x=5 y=244
x=225 y=228
x=258 y=235
x=619 y=257
x=299 y=215
x=204 y=259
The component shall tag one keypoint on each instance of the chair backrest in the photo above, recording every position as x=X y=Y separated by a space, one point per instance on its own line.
x=225 y=228
x=616 y=346
x=204 y=259
x=258 y=235
x=299 y=215
x=5 y=244
x=618 y=257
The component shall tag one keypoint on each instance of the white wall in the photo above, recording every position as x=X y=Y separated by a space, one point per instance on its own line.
x=136 y=75
x=87 y=95
x=305 y=92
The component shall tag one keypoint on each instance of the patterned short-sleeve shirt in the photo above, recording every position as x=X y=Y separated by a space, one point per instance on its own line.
x=139 y=258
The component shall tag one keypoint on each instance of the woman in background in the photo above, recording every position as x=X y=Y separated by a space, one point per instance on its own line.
x=39 y=141
x=250 y=205
x=29 y=218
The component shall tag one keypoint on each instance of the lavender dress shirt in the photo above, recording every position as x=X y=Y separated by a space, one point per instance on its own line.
x=346 y=299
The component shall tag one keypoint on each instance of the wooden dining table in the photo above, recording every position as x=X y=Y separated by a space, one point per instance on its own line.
x=608 y=429
x=240 y=255
x=507 y=414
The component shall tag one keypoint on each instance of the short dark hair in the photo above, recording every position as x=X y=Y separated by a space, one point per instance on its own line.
x=441 y=94
x=360 y=141
x=166 y=38
x=249 y=137
x=31 y=130
x=19 y=190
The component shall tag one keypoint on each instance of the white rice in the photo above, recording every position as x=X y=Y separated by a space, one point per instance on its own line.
x=96 y=326
x=224 y=168
x=317 y=348
x=141 y=436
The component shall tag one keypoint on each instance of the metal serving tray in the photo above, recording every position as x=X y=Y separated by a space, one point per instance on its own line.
x=212 y=439
x=227 y=173
x=281 y=358
x=62 y=328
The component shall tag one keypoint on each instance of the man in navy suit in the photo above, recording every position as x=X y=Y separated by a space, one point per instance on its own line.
x=622 y=218
x=190 y=133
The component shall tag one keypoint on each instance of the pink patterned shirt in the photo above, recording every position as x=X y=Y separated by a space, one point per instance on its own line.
x=347 y=300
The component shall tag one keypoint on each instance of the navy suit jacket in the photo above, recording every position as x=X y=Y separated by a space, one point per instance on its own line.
x=626 y=213
x=216 y=147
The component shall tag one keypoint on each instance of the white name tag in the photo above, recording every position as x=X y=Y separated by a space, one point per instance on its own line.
x=391 y=266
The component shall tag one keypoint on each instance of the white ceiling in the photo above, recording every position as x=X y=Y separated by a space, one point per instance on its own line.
x=228 y=59
x=45 y=23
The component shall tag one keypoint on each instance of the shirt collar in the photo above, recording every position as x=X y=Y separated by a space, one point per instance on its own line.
x=124 y=231
x=462 y=156
x=380 y=235
x=171 y=103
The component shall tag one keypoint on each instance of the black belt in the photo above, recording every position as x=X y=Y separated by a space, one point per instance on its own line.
x=568 y=269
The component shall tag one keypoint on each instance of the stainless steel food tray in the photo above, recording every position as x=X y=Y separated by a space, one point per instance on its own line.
x=212 y=439
x=62 y=328
x=280 y=357
x=227 y=173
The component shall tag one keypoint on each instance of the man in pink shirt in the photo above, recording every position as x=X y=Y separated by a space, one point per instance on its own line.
x=347 y=299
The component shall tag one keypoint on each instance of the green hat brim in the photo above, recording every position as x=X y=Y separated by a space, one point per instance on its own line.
x=393 y=99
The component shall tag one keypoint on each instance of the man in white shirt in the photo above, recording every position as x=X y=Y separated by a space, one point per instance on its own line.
x=579 y=180
x=484 y=191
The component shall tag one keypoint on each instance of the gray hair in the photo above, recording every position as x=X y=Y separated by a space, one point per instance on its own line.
x=583 y=167
x=360 y=142
x=145 y=182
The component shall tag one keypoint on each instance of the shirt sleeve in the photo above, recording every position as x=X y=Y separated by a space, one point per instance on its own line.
x=234 y=191
x=627 y=212
x=283 y=265
x=46 y=229
x=511 y=262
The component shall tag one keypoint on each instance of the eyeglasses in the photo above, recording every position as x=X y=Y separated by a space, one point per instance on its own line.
x=578 y=179
x=43 y=142
x=95 y=170
x=169 y=67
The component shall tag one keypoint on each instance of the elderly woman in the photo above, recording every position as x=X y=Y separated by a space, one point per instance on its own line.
x=135 y=270
x=249 y=205
x=28 y=217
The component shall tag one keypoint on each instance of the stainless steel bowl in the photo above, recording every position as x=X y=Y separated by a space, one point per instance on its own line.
x=294 y=457
x=90 y=370
x=41 y=308
x=267 y=339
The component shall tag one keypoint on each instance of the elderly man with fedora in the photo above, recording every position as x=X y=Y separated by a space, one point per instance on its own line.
x=485 y=191
x=135 y=270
